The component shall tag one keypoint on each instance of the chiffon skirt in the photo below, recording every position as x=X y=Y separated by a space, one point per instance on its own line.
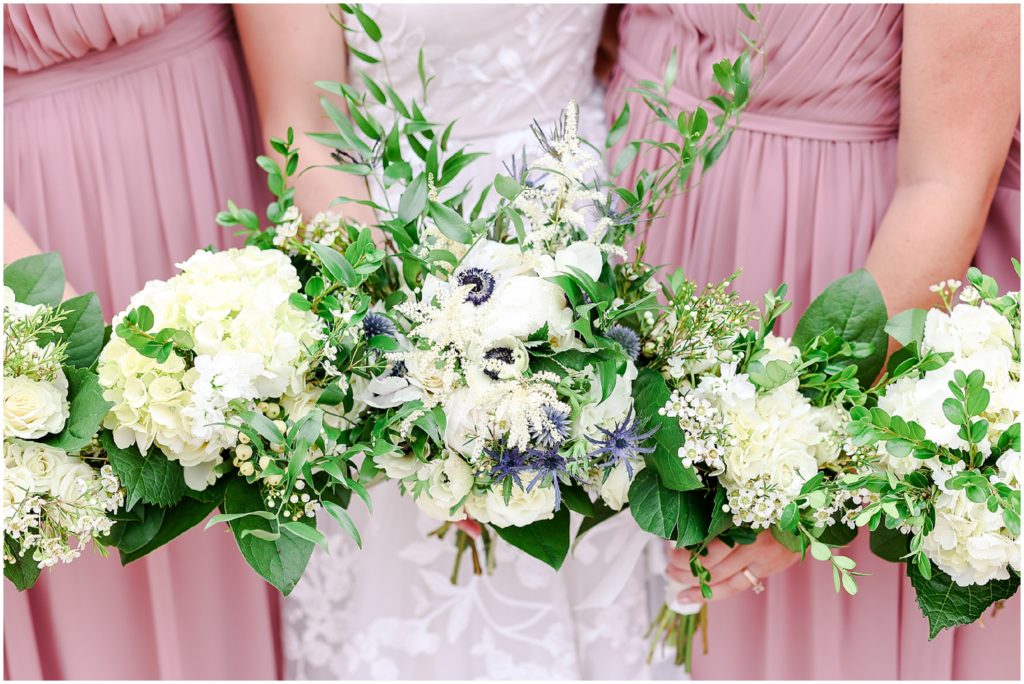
x=120 y=161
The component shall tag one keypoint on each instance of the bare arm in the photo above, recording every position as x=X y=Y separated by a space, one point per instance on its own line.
x=287 y=48
x=959 y=104
x=960 y=94
x=19 y=244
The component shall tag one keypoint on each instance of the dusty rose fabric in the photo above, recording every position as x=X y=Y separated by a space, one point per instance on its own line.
x=797 y=197
x=126 y=128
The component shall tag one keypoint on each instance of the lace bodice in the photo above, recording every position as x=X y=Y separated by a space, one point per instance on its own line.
x=495 y=67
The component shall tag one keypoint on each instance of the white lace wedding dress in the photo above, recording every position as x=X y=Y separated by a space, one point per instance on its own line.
x=389 y=611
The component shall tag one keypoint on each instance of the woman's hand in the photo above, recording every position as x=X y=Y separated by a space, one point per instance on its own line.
x=763 y=558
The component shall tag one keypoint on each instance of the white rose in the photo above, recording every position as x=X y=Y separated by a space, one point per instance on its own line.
x=38 y=459
x=523 y=507
x=521 y=305
x=449 y=481
x=608 y=413
x=18 y=482
x=465 y=422
x=585 y=256
x=65 y=483
x=397 y=466
x=34 y=408
x=615 y=488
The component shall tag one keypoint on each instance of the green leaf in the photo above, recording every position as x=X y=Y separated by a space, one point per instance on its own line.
x=838 y=534
x=414 y=199
x=720 y=519
x=175 y=521
x=37 y=279
x=946 y=604
x=650 y=394
x=307 y=532
x=344 y=520
x=368 y=24
x=854 y=309
x=280 y=561
x=907 y=327
x=577 y=500
x=82 y=329
x=654 y=507
x=450 y=223
x=545 y=540
x=88 y=407
x=23 y=572
x=791 y=540
x=337 y=266
x=694 y=518
x=152 y=478
x=507 y=187
x=618 y=128
x=890 y=545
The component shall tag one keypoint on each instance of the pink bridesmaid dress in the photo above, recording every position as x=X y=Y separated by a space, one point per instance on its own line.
x=126 y=128
x=797 y=197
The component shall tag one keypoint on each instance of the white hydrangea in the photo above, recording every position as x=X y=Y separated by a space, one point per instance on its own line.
x=250 y=344
x=969 y=542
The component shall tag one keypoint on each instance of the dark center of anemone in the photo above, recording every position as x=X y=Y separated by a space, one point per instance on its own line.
x=398 y=370
x=502 y=354
x=480 y=280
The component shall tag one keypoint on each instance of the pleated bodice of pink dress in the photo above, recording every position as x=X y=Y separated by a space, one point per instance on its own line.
x=126 y=128
x=797 y=197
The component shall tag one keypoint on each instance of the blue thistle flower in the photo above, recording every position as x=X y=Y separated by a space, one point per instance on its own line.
x=547 y=462
x=554 y=430
x=627 y=338
x=377 y=324
x=482 y=282
x=398 y=370
x=508 y=462
x=623 y=443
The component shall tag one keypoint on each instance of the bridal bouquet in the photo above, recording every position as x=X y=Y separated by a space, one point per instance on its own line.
x=752 y=426
x=945 y=440
x=230 y=388
x=59 y=491
x=505 y=391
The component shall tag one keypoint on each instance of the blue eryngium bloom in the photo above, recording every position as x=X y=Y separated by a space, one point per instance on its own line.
x=508 y=462
x=377 y=324
x=555 y=429
x=627 y=338
x=623 y=443
x=547 y=462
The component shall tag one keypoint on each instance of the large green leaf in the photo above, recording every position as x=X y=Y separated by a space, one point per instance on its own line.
x=694 y=518
x=152 y=478
x=82 y=329
x=720 y=519
x=852 y=307
x=545 y=540
x=280 y=561
x=946 y=604
x=86 y=412
x=654 y=507
x=38 y=279
x=173 y=521
x=24 y=571
x=890 y=545
x=650 y=394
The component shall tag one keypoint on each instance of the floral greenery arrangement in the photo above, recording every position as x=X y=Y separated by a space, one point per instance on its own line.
x=59 y=490
x=504 y=390
x=942 y=435
x=229 y=384
x=752 y=426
